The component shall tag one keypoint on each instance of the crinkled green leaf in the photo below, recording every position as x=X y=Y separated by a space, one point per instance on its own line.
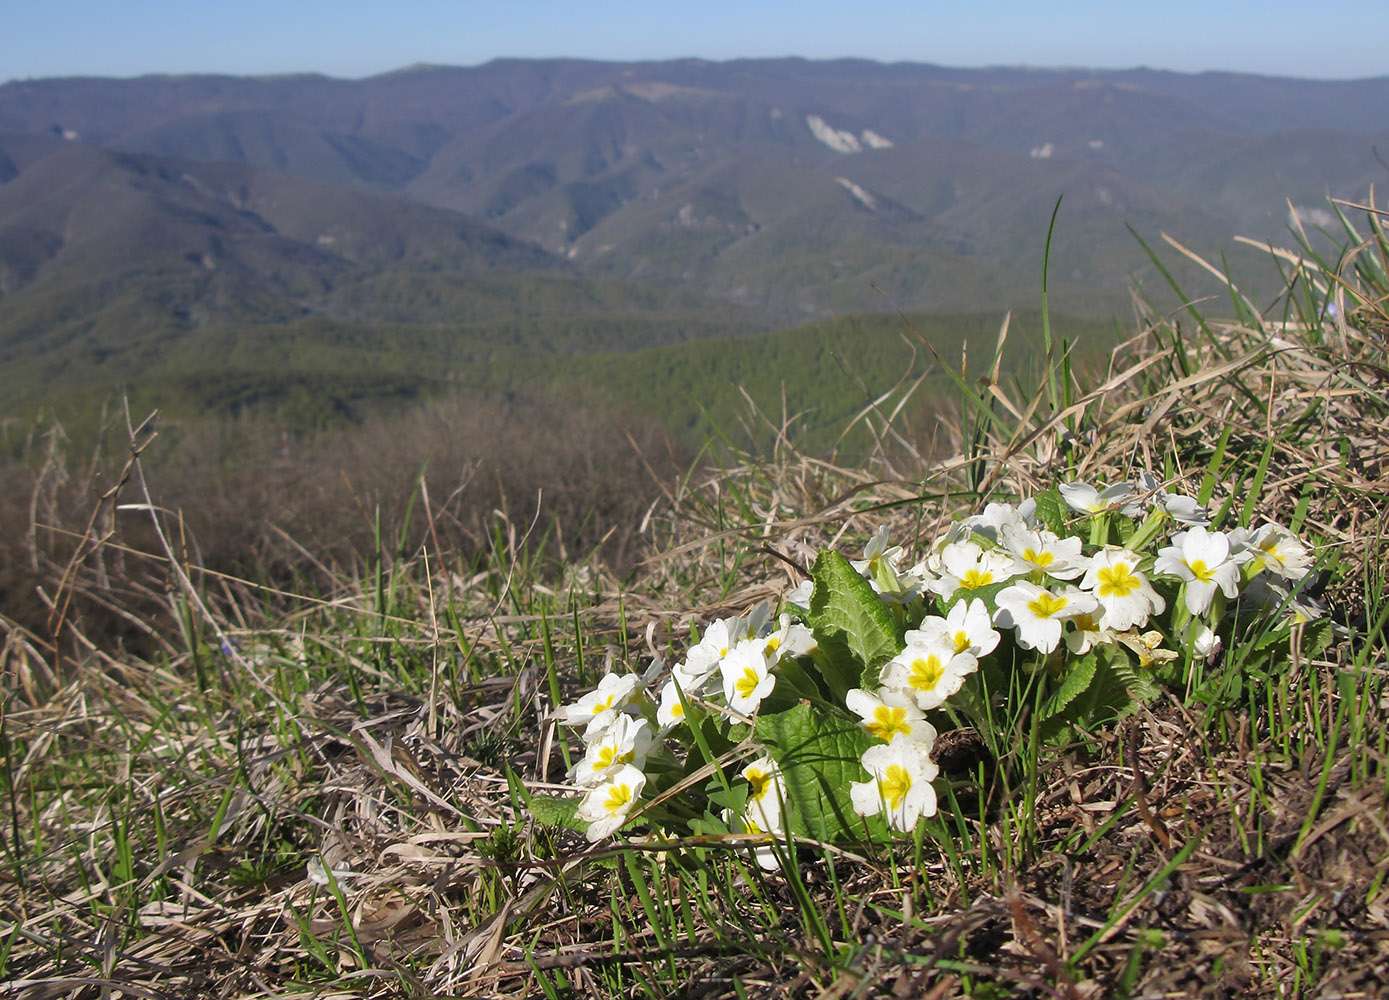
x=1115 y=691
x=818 y=753
x=1139 y=682
x=1275 y=636
x=1317 y=637
x=550 y=810
x=847 y=616
x=1078 y=678
x=1052 y=511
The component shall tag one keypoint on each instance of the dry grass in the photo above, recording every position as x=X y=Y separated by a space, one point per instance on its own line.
x=247 y=502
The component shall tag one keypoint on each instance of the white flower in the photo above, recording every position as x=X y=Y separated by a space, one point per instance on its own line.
x=764 y=850
x=790 y=639
x=1280 y=552
x=321 y=874
x=967 y=566
x=745 y=678
x=800 y=595
x=702 y=659
x=1036 y=613
x=1085 y=499
x=1086 y=634
x=766 y=794
x=754 y=624
x=1202 y=559
x=930 y=567
x=1267 y=595
x=672 y=709
x=1125 y=594
x=909 y=588
x=606 y=806
x=877 y=553
x=626 y=741
x=900 y=786
x=613 y=691
x=997 y=517
x=929 y=674
x=890 y=713
x=762 y=815
x=1182 y=509
x=1045 y=550
x=966 y=626
x=1205 y=643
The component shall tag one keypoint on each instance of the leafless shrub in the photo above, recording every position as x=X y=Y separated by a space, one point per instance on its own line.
x=249 y=500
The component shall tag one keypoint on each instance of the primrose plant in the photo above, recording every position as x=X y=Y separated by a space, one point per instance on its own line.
x=820 y=722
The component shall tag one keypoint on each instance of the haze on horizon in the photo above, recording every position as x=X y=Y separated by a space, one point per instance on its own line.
x=259 y=37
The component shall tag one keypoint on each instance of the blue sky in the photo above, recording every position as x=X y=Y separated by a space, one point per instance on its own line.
x=1333 y=39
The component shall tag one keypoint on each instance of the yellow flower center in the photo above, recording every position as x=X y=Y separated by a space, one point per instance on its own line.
x=1200 y=570
x=976 y=578
x=747 y=683
x=926 y=674
x=887 y=721
x=677 y=710
x=773 y=644
x=962 y=642
x=602 y=706
x=1042 y=559
x=619 y=797
x=606 y=756
x=896 y=783
x=761 y=782
x=1046 y=604
x=1117 y=581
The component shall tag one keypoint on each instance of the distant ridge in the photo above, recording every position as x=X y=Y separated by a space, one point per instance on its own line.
x=751 y=192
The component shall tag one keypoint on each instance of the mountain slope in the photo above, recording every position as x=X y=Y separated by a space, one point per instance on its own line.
x=119 y=269
x=509 y=210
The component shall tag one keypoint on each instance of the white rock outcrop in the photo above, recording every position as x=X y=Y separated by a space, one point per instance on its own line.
x=835 y=139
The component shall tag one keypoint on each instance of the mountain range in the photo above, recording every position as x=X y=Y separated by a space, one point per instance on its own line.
x=440 y=215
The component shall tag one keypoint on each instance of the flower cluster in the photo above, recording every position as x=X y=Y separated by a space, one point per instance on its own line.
x=1126 y=574
x=734 y=659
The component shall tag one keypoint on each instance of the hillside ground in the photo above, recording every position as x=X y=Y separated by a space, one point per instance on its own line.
x=320 y=788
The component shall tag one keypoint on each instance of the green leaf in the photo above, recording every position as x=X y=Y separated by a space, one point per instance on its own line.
x=818 y=753
x=1139 y=682
x=551 y=810
x=794 y=681
x=1278 y=635
x=1115 y=691
x=1078 y=678
x=1317 y=637
x=708 y=825
x=1052 y=511
x=848 y=617
x=969 y=705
